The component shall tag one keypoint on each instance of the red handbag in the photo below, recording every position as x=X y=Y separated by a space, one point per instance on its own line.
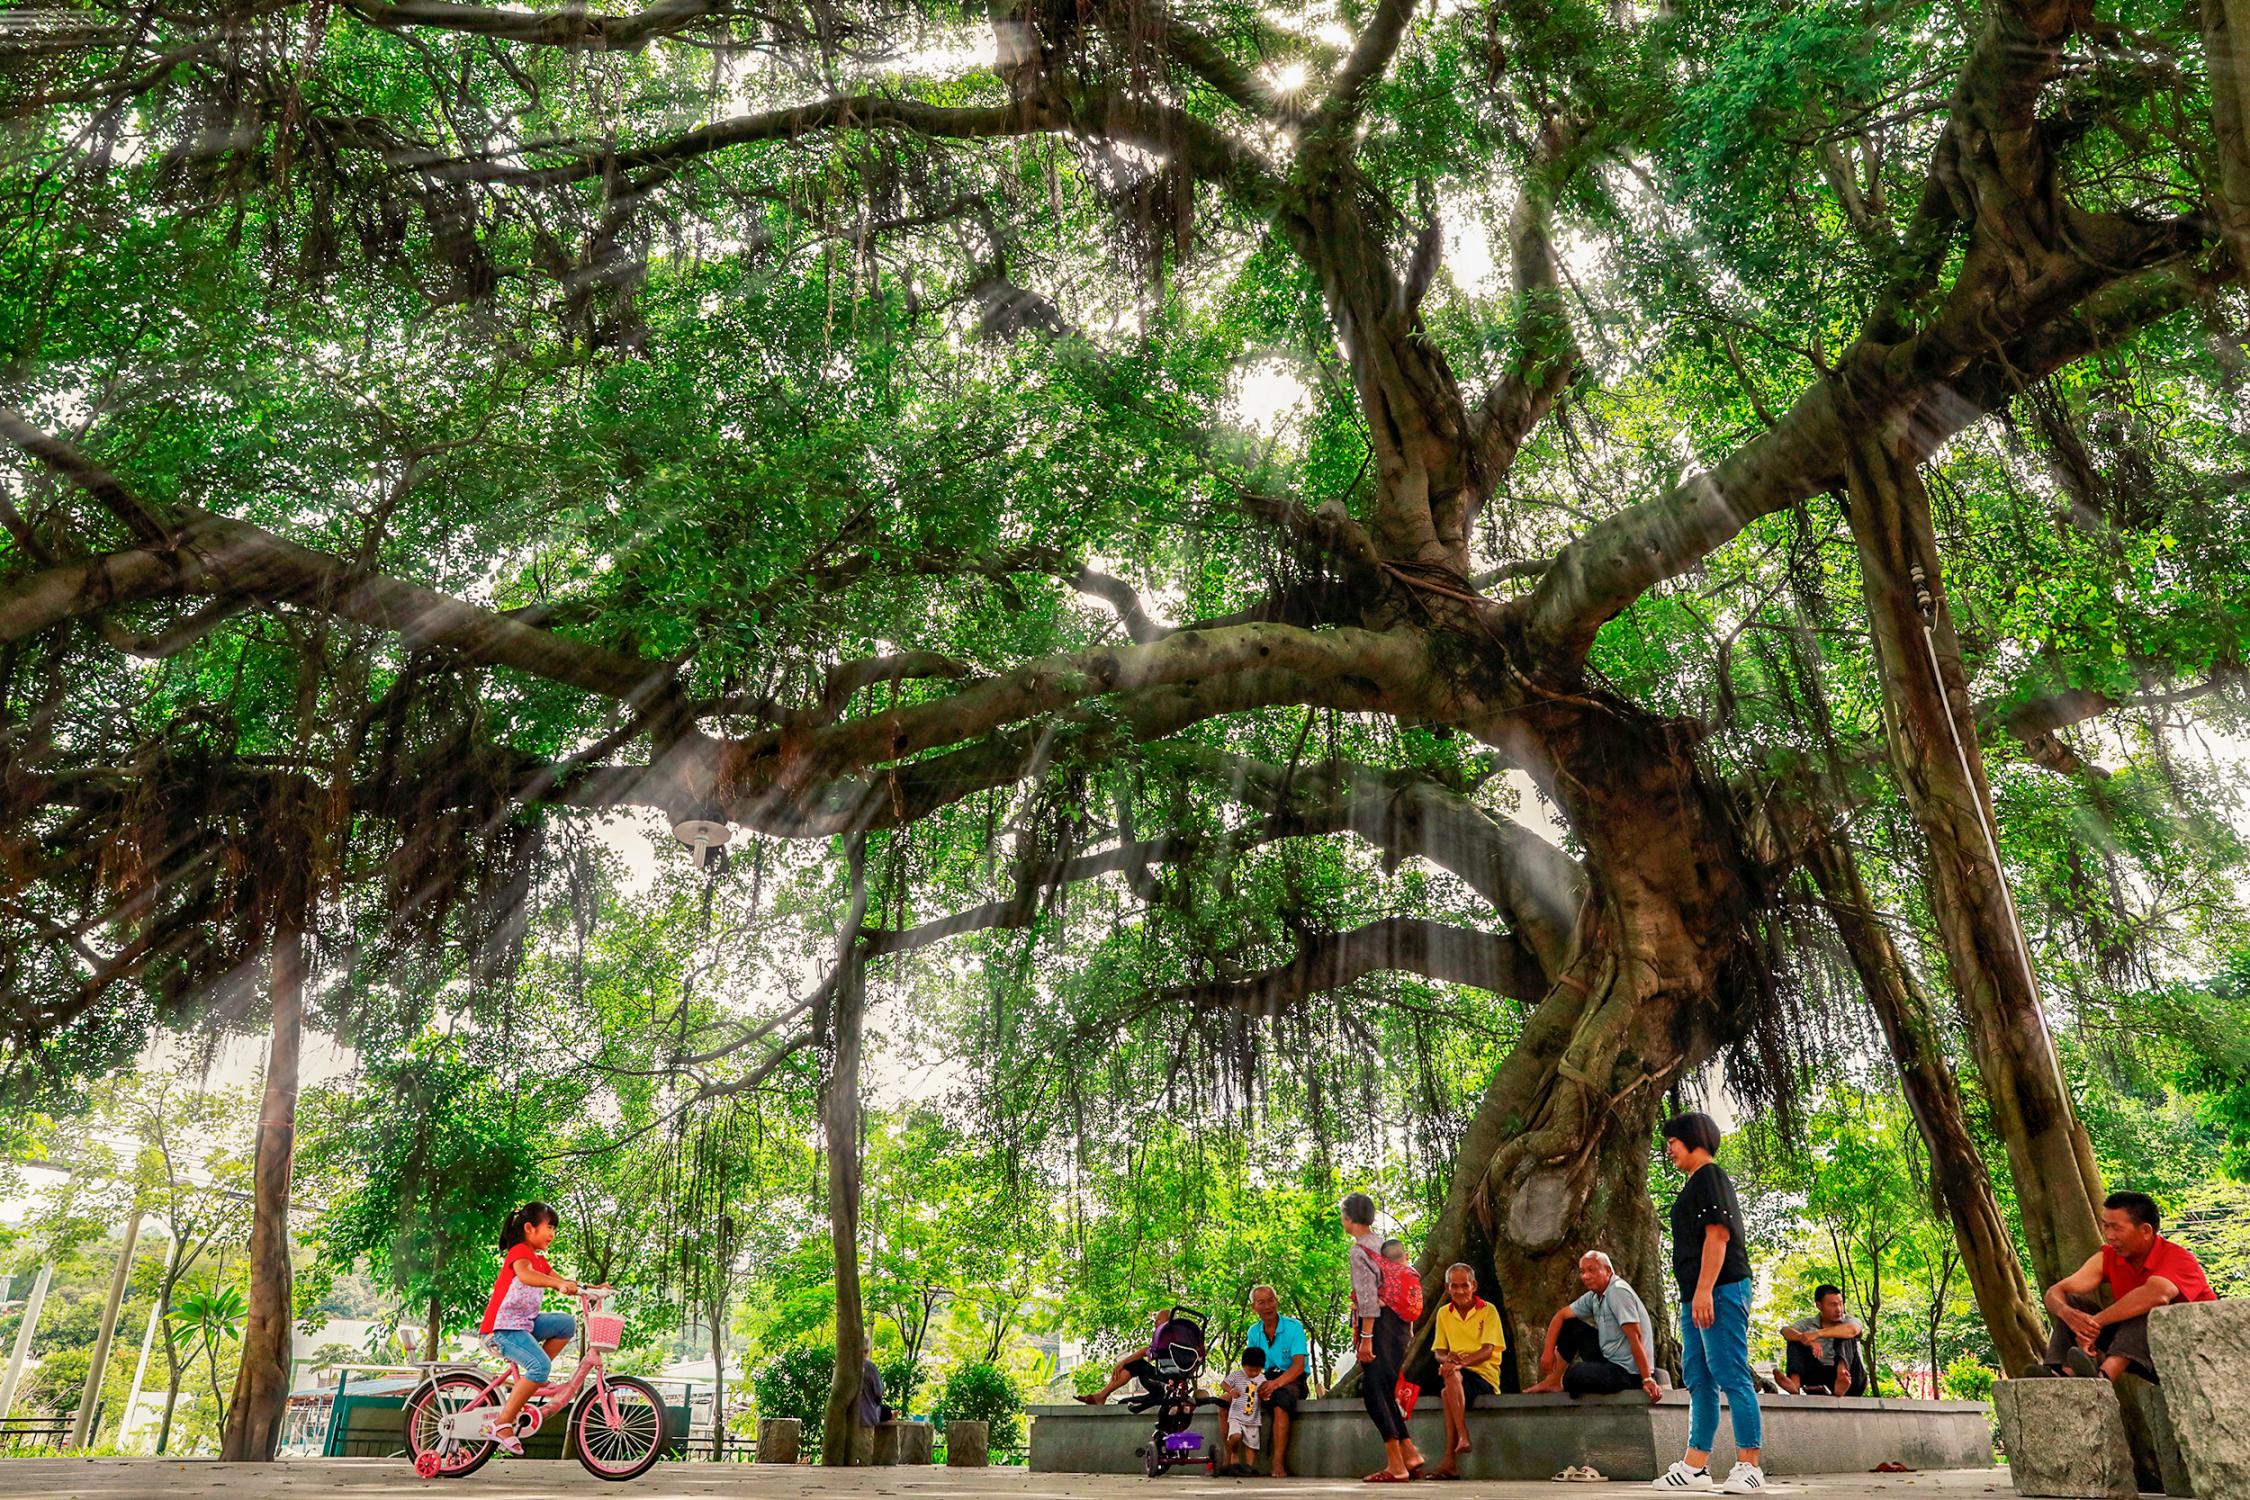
x=1407 y=1393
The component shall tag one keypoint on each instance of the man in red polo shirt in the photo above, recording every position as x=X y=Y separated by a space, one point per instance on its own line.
x=2142 y=1270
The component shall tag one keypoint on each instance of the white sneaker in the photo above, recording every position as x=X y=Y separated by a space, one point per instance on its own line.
x=1681 y=1477
x=1744 y=1479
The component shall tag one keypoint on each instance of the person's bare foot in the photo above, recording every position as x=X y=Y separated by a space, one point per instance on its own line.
x=1790 y=1383
x=1460 y=1447
x=1545 y=1388
x=1094 y=1398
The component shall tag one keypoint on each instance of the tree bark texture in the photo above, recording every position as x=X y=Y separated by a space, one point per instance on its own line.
x=1556 y=1160
x=261 y=1386
x=1963 y=1186
x=1930 y=725
x=2226 y=51
x=839 y=1439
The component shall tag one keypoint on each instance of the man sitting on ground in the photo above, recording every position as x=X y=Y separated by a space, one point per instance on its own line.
x=1823 y=1349
x=2143 y=1270
x=1134 y=1366
x=1599 y=1343
x=1282 y=1341
x=1468 y=1342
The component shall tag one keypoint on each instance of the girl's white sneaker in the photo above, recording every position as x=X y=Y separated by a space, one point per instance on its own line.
x=1744 y=1479
x=1681 y=1477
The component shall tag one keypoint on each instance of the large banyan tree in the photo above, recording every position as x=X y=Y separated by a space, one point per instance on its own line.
x=1727 y=424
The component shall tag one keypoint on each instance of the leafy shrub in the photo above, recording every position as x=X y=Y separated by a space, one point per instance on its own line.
x=985 y=1393
x=1966 y=1379
x=795 y=1383
x=902 y=1382
x=1088 y=1377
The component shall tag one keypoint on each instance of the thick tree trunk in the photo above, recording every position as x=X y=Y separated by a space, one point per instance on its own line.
x=1931 y=727
x=261 y=1386
x=1556 y=1161
x=839 y=1440
x=1957 y=1171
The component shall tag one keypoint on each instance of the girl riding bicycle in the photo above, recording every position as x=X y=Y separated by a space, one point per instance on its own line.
x=512 y=1318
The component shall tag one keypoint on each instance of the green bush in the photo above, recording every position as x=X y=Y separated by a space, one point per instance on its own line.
x=902 y=1382
x=795 y=1383
x=1966 y=1379
x=985 y=1393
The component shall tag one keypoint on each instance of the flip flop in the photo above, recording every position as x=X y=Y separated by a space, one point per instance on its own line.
x=1385 y=1476
x=1442 y=1474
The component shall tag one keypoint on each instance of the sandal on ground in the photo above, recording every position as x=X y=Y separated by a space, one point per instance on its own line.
x=1385 y=1476
x=1436 y=1474
x=1582 y=1474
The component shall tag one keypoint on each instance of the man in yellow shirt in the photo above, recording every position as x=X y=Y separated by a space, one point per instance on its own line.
x=1468 y=1341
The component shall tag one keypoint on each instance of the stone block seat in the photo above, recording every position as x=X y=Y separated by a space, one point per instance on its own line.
x=1532 y=1437
x=2065 y=1440
x=904 y=1443
x=2198 y=1348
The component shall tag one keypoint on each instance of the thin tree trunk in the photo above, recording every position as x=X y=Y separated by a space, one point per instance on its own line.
x=261 y=1387
x=718 y=1390
x=839 y=1443
x=1958 y=1177
x=436 y=1330
x=1931 y=729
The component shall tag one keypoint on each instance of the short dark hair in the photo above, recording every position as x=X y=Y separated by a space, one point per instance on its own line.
x=1696 y=1131
x=1826 y=1290
x=1358 y=1207
x=2140 y=1205
x=1253 y=1358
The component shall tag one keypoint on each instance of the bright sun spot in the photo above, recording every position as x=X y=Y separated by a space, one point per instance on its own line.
x=1268 y=396
x=1289 y=78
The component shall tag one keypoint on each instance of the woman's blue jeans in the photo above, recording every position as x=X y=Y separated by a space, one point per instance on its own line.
x=1717 y=1359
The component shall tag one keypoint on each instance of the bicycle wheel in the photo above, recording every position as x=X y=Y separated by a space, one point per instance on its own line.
x=628 y=1444
x=436 y=1456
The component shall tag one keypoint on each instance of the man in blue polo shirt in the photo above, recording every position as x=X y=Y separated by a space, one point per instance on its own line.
x=1283 y=1341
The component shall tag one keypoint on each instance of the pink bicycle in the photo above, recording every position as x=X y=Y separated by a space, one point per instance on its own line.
x=617 y=1423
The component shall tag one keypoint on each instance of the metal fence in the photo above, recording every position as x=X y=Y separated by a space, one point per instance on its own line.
x=24 y=1436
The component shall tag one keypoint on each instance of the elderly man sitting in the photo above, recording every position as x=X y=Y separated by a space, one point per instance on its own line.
x=1468 y=1341
x=1598 y=1344
x=1282 y=1341
x=2143 y=1270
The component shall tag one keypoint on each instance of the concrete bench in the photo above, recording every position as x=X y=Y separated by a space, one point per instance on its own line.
x=1531 y=1437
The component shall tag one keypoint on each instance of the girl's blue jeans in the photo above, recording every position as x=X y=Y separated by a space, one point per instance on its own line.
x=1717 y=1359
x=523 y=1345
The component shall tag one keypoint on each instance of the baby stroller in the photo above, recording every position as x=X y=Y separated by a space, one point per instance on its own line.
x=1168 y=1376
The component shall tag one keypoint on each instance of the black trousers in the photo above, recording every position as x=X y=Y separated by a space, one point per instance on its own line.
x=2129 y=1338
x=1586 y=1370
x=1378 y=1387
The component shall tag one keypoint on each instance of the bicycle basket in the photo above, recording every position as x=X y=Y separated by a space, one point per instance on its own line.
x=604 y=1331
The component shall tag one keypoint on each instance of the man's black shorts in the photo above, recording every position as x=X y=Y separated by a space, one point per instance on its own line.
x=1284 y=1398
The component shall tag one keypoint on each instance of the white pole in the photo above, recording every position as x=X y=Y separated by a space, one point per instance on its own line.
x=140 y=1372
x=82 y=1425
x=31 y=1306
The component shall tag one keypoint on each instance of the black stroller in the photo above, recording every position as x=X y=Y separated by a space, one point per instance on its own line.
x=1168 y=1376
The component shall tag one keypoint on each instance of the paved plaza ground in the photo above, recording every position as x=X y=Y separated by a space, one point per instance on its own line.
x=386 y=1479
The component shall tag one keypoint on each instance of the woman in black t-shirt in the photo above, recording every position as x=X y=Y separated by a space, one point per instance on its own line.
x=1712 y=1266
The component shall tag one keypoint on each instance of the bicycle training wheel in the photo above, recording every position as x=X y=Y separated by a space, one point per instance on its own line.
x=433 y=1456
x=628 y=1445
